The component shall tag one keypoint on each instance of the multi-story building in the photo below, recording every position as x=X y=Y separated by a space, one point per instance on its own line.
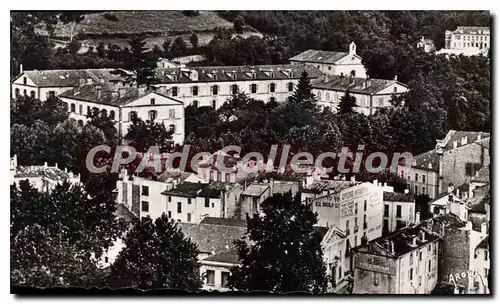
x=404 y=262
x=455 y=160
x=399 y=211
x=123 y=104
x=426 y=44
x=370 y=93
x=356 y=209
x=336 y=258
x=43 y=178
x=468 y=37
x=213 y=85
x=333 y=63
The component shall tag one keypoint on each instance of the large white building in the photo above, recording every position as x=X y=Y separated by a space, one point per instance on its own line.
x=333 y=63
x=468 y=37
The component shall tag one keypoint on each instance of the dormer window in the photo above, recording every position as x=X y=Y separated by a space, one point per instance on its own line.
x=25 y=80
x=152 y=101
x=214 y=76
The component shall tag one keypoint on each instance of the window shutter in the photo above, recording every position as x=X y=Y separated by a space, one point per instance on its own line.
x=191 y=90
x=250 y=88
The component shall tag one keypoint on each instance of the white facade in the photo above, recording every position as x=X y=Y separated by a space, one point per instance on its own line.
x=468 y=37
x=192 y=209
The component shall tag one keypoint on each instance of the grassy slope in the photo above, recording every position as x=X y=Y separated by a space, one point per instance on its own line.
x=145 y=21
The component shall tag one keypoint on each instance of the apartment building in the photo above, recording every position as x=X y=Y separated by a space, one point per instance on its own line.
x=399 y=211
x=468 y=37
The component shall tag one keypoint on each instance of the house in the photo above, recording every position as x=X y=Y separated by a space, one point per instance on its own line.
x=426 y=44
x=404 y=262
x=216 y=269
x=399 y=211
x=43 y=178
x=468 y=37
x=336 y=258
x=356 y=209
x=333 y=63
x=143 y=196
x=212 y=85
x=449 y=203
x=370 y=93
x=42 y=84
x=251 y=198
x=455 y=160
x=123 y=104
x=221 y=167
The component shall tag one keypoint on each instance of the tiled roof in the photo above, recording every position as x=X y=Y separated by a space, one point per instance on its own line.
x=108 y=95
x=456 y=136
x=229 y=256
x=353 y=84
x=325 y=185
x=398 y=197
x=423 y=160
x=472 y=30
x=255 y=189
x=187 y=189
x=69 y=78
x=235 y=73
x=224 y=221
x=168 y=175
x=319 y=56
x=212 y=237
x=449 y=220
x=52 y=173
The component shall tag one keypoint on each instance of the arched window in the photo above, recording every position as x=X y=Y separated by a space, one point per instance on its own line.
x=32 y=94
x=25 y=93
x=195 y=103
x=73 y=108
x=17 y=92
x=353 y=73
x=104 y=112
x=152 y=114
x=132 y=115
x=112 y=114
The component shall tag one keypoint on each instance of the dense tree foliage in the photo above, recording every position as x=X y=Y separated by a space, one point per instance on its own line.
x=285 y=255
x=145 y=134
x=156 y=256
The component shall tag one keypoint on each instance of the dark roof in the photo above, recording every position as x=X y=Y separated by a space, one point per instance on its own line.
x=69 y=78
x=187 y=189
x=229 y=256
x=52 y=173
x=228 y=161
x=255 y=189
x=322 y=231
x=224 y=221
x=352 y=84
x=472 y=30
x=457 y=136
x=423 y=160
x=398 y=197
x=109 y=96
x=448 y=220
x=123 y=212
x=484 y=243
x=235 y=73
x=319 y=56
x=212 y=237
x=324 y=185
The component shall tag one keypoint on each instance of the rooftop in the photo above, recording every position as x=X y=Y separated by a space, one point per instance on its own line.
x=69 y=78
x=326 y=185
x=186 y=189
x=472 y=30
x=462 y=138
x=448 y=220
x=123 y=212
x=319 y=56
x=398 y=197
x=255 y=189
x=228 y=256
x=52 y=173
x=484 y=243
x=353 y=84
x=214 y=160
x=224 y=222
x=234 y=73
x=212 y=237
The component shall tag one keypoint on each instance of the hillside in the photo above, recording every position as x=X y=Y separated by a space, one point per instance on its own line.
x=136 y=22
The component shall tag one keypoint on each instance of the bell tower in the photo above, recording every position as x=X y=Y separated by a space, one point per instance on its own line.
x=352 y=48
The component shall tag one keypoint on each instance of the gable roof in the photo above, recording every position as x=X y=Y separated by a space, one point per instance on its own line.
x=319 y=56
x=69 y=78
x=192 y=190
x=224 y=221
x=398 y=197
x=229 y=256
x=457 y=136
x=352 y=84
x=210 y=237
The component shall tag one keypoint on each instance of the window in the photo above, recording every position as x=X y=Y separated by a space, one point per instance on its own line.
x=17 y=92
x=319 y=95
x=189 y=217
x=398 y=211
x=356 y=208
x=365 y=206
x=353 y=73
x=145 y=207
x=290 y=86
x=402 y=174
x=272 y=87
x=420 y=281
x=194 y=90
x=347 y=227
x=254 y=205
x=175 y=91
x=153 y=101
x=195 y=103
x=179 y=207
x=327 y=96
x=234 y=89
x=224 y=278
x=207 y=202
x=423 y=178
x=171 y=113
x=386 y=210
x=420 y=255
x=170 y=214
x=73 y=108
x=152 y=114
x=355 y=240
x=416 y=190
x=214 y=104
x=215 y=90
x=210 y=278
x=171 y=128
x=365 y=225
x=32 y=94
x=423 y=190
x=189 y=201
x=227 y=177
x=411 y=274
x=430 y=263
x=132 y=115
x=416 y=177
x=25 y=80
x=253 y=88
x=145 y=191
x=219 y=177
x=272 y=99
x=169 y=198
x=52 y=94
x=486 y=255
x=88 y=110
x=375 y=278
x=411 y=258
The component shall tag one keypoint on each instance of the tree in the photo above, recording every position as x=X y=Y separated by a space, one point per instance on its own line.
x=286 y=253
x=104 y=122
x=156 y=256
x=26 y=110
x=303 y=94
x=72 y=17
x=145 y=134
x=140 y=62
x=239 y=22
x=194 y=40
x=347 y=103
x=178 y=48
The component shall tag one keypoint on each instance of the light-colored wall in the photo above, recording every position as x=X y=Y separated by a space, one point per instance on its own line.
x=429 y=187
x=423 y=281
x=407 y=213
x=196 y=208
x=218 y=276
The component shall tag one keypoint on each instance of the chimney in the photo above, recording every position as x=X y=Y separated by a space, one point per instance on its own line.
x=417 y=217
x=484 y=228
x=479 y=137
x=392 y=246
x=407 y=191
x=326 y=78
x=368 y=82
x=414 y=241
x=82 y=81
x=458 y=193
x=468 y=225
x=45 y=165
x=450 y=188
x=455 y=144
x=422 y=235
x=353 y=179
x=375 y=182
x=395 y=77
x=226 y=246
x=385 y=184
x=56 y=166
x=20 y=68
x=66 y=170
x=213 y=251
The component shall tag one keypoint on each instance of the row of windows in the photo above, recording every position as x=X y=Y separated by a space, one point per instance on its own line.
x=233 y=89
x=212 y=176
x=196 y=104
x=423 y=176
x=472 y=37
x=398 y=210
x=210 y=274
x=72 y=108
x=471 y=44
